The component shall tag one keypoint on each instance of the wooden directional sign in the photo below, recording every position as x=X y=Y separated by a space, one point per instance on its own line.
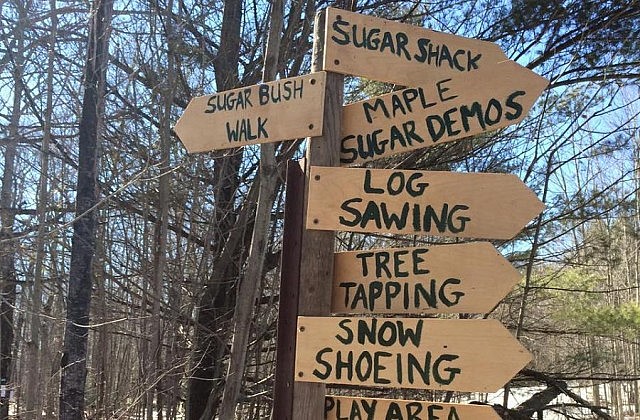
x=470 y=278
x=442 y=354
x=394 y=52
x=446 y=109
x=269 y=112
x=358 y=408
x=473 y=205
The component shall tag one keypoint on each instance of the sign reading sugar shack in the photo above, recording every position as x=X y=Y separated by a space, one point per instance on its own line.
x=446 y=109
x=476 y=205
x=358 y=408
x=394 y=52
x=457 y=278
x=443 y=354
x=269 y=112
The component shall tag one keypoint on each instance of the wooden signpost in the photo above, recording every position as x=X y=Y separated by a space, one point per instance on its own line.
x=357 y=408
x=457 y=278
x=394 y=52
x=420 y=353
x=472 y=205
x=269 y=112
x=440 y=111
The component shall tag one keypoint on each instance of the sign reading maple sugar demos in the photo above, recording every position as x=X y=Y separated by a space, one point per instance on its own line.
x=389 y=51
x=443 y=354
x=443 y=110
x=473 y=205
x=268 y=112
x=359 y=408
x=457 y=278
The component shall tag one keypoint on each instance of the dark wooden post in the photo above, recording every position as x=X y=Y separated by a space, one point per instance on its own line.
x=317 y=247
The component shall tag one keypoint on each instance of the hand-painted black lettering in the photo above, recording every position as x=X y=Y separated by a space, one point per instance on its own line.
x=346 y=206
x=378 y=367
x=375 y=291
x=327 y=366
x=346 y=365
x=387 y=334
x=514 y=105
x=452 y=298
x=398 y=262
x=436 y=127
x=414 y=188
x=431 y=411
x=343 y=38
x=449 y=372
x=392 y=289
x=344 y=324
x=466 y=112
x=364 y=366
x=370 y=107
x=443 y=89
x=416 y=257
x=362 y=256
x=456 y=60
x=347 y=286
x=347 y=154
x=493 y=113
x=367 y=184
x=244 y=130
x=472 y=62
x=395 y=187
x=382 y=264
x=461 y=220
x=329 y=404
x=450 y=122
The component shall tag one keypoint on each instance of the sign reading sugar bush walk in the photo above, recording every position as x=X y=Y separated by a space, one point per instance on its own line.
x=473 y=205
x=442 y=354
x=268 y=112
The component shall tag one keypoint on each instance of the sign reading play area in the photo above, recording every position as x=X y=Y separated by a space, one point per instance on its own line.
x=269 y=112
x=440 y=111
x=474 y=205
x=408 y=55
x=443 y=354
x=461 y=278
x=358 y=408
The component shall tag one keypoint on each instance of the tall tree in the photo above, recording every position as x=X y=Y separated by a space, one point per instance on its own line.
x=76 y=334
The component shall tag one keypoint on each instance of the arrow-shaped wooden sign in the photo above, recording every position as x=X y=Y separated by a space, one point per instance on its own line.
x=443 y=354
x=472 y=205
x=446 y=109
x=457 y=278
x=359 y=408
x=394 y=52
x=269 y=112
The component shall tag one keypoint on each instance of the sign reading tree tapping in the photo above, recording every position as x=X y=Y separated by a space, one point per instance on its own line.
x=443 y=354
x=456 y=278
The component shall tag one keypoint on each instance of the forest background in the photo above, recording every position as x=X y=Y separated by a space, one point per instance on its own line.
x=110 y=228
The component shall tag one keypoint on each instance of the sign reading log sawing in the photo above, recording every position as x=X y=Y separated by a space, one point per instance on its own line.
x=473 y=205
x=352 y=408
x=269 y=112
x=408 y=55
x=440 y=111
x=456 y=278
x=443 y=354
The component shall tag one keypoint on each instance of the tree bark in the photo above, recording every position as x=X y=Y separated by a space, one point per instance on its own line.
x=74 y=358
x=250 y=284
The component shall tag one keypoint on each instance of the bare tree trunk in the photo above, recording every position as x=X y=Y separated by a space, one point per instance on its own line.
x=250 y=284
x=215 y=300
x=74 y=360
x=7 y=218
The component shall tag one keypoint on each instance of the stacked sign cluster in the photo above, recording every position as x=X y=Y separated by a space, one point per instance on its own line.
x=457 y=87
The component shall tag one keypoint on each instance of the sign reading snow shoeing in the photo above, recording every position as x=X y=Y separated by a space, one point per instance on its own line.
x=359 y=408
x=408 y=55
x=458 y=278
x=443 y=110
x=442 y=354
x=474 y=205
x=269 y=112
